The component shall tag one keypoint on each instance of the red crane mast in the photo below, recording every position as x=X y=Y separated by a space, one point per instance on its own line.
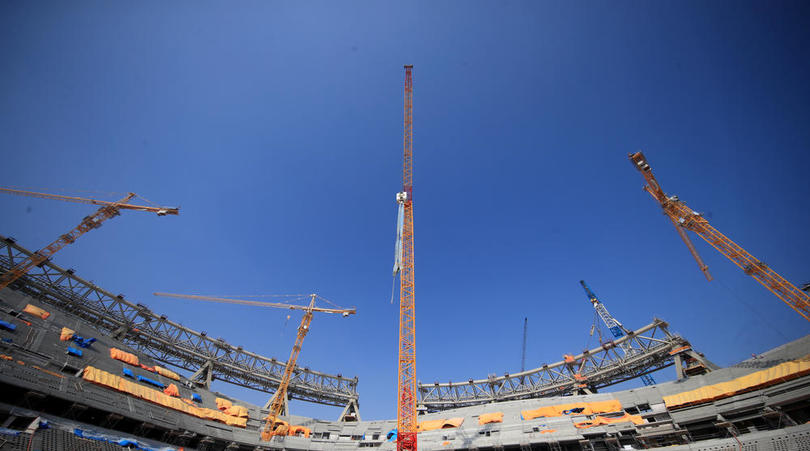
x=406 y=393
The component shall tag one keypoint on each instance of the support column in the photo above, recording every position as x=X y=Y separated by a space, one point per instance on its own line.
x=204 y=376
x=351 y=412
x=679 y=373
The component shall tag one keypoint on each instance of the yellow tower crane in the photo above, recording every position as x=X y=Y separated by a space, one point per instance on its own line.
x=106 y=211
x=684 y=218
x=277 y=402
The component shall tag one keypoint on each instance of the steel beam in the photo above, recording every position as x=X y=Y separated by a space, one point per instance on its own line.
x=166 y=341
x=639 y=352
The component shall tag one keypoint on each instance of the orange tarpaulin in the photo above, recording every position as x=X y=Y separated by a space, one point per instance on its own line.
x=301 y=431
x=167 y=373
x=774 y=375
x=280 y=427
x=223 y=404
x=445 y=423
x=36 y=311
x=600 y=420
x=494 y=417
x=588 y=408
x=237 y=411
x=147 y=368
x=114 y=382
x=66 y=334
x=171 y=390
x=118 y=354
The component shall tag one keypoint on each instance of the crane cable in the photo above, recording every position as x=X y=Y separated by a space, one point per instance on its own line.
x=398 y=248
x=73 y=191
x=594 y=328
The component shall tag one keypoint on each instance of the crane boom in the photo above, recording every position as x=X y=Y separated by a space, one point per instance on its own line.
x=406 y=387
x=349 y=311
x=686 y=218
x=121 y=205
x=615 y=327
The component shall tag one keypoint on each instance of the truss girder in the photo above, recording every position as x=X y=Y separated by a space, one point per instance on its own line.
x=650 y=348
x=167 y=341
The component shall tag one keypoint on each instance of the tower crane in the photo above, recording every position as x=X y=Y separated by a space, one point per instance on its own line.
x=279 y=399
x=684 y=218
x=523 y=353
x=615 y=327
x=403 y=263
x=106 y=211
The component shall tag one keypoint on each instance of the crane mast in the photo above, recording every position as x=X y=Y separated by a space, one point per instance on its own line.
x=685 y=218
x=279 y=399
x=615 y=327
x=280 y=396
x=523 y=353
x=106 y=211
x=404 y=263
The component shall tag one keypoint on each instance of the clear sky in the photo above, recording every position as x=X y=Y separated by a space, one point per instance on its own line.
x=277 y=128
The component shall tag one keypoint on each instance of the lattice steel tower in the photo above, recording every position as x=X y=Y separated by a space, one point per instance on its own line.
x=406 y=392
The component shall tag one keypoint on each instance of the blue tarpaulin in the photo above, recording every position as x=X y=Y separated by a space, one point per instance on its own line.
x=83 y=342
x=391 y=436
x=150 y=381
x=128 y=373
x=120 y=442
x=73 y=351
x=196 y=397
x=7 y=326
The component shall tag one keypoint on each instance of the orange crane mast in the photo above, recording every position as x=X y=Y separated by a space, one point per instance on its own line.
x=406 y=390
x=106 y=211
x=279 y=399
x=684 y=217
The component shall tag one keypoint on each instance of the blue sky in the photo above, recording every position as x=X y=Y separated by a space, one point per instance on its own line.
x=277 y=127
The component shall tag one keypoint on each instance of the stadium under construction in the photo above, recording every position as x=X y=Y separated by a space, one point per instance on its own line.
x=82 y=368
